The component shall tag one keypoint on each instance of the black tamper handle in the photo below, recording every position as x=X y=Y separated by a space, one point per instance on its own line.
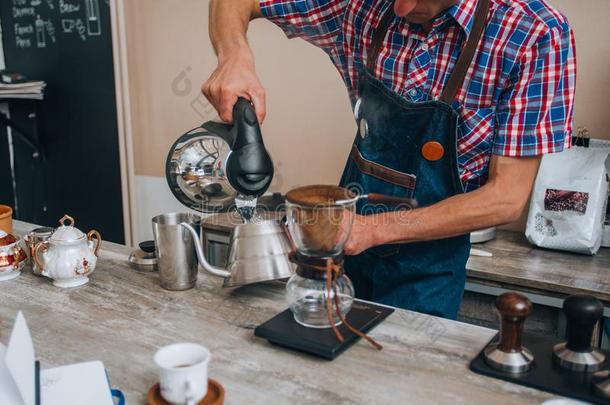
x=147 y=246
x=582 y=313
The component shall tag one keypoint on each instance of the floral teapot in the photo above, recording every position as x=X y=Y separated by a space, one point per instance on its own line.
x=69 y=255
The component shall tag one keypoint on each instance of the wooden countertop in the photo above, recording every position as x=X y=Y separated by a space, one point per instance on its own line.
x=122 y=317
x=517 y=264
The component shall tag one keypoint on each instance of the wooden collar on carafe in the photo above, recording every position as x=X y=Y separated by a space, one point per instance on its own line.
x=314 y=267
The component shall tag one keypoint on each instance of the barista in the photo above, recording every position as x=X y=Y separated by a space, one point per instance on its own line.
x=456 y=101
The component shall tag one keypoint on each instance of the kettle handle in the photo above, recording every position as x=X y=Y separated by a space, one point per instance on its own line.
x=95 y=234
x=36 y=257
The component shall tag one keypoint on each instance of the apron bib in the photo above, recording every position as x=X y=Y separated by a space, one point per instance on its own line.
x=407 y=149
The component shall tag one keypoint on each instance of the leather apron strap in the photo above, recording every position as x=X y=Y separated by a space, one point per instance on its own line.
x=464 y=61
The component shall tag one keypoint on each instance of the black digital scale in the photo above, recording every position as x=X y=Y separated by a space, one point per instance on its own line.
x=283 y=330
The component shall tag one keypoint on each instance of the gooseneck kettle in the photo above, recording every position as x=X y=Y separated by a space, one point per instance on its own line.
x=210 y=165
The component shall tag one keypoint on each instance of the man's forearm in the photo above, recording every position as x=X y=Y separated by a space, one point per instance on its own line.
x=501 y=200
x=454 y=216
x=228 y=25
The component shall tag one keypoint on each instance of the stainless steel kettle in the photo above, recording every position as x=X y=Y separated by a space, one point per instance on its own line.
x=258 y=251
x=209 y=166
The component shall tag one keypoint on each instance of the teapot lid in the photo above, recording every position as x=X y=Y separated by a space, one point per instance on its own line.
x=66 y=233
x=6 y=238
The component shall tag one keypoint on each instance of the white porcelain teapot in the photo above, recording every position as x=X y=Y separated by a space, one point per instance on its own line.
x=69 y=255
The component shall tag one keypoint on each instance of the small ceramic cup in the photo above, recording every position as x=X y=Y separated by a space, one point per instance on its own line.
x=6 y=218
x=183 y=372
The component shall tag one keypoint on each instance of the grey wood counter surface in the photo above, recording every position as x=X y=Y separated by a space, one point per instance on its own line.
x=516 y=264
x=122 y=317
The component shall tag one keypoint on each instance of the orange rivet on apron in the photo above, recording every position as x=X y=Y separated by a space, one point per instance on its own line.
x=432 y=151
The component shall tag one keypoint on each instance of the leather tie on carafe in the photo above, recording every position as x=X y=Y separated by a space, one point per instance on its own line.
x=333 y=271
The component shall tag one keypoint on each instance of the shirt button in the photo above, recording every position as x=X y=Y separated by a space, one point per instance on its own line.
x=413 y=92
x=424 y=47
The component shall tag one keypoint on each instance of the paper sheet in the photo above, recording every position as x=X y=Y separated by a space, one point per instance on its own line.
x=76 y=384
x=19 y=359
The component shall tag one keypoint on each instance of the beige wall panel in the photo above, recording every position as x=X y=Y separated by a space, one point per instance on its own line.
x=309 y=126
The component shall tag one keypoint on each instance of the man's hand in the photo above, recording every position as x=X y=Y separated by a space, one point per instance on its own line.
x=235 y=75
x=362 y=236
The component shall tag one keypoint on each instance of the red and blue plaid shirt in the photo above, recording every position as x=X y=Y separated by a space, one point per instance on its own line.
x=518 y=96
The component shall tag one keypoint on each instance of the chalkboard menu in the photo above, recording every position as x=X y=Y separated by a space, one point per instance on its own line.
x=68 y=44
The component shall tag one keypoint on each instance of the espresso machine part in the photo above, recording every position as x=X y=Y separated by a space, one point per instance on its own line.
x=209 y=166
x=144 y=259
x=175 y=250
x=32 y=239
x=258 y=252
x=508 y=354
x=582 y=313
x=601 y=384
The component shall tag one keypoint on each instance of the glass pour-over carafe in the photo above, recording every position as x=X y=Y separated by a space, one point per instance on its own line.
x=319 y=219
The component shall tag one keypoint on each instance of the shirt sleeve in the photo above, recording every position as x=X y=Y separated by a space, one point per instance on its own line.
x=535 y=113
x=316 y=21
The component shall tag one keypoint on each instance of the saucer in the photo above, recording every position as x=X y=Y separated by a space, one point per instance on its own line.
x=215 y=395
x=9 y=275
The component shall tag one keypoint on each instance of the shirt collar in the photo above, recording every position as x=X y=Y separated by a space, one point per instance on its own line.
x=463 y=13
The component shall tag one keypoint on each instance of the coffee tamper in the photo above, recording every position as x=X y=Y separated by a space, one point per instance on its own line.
x=582 y=313
x=601 y=384
x=508 y=355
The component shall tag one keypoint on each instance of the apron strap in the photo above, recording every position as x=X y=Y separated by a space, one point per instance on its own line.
x=464 y=61
x=378 y=36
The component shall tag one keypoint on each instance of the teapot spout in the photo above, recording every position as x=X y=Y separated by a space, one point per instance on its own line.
x=216 y=271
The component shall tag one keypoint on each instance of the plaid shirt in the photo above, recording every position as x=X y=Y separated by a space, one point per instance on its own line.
x=518 y=96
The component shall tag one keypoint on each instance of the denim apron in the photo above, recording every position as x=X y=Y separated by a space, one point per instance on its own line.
x=407 y=149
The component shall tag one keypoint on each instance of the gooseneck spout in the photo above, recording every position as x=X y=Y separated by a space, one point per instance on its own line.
x=216 y=271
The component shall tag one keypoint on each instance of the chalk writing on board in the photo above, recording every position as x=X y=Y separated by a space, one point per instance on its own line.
x=66 y=8
x=50 y=30
x=35 y=3
x=50 y=4
x=19 y=12
x=21 y=42
x=20 y=3
x=93 y=17
x=67 y=25
x=40 y=33
x=23 y=29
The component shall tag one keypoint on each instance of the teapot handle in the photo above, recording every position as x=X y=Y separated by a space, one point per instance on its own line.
x=36 y=256
x=93 y=233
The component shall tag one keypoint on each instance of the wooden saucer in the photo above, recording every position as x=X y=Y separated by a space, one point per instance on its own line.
x=215 y=395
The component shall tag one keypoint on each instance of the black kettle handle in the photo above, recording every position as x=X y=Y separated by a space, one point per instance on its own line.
x=249 y=167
